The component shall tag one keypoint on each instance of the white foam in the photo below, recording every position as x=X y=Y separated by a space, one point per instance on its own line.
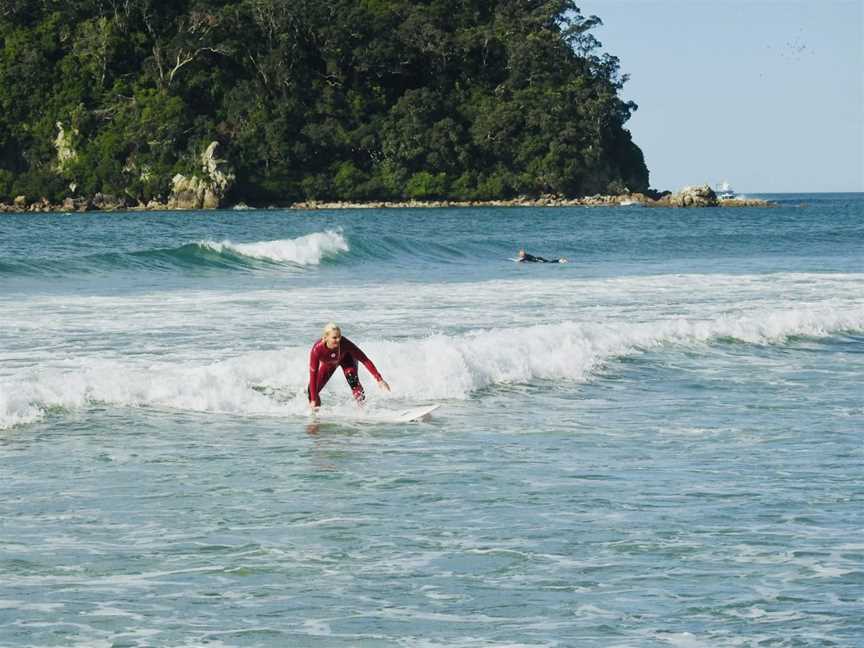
x=305 y=250
x=435 y=367
x=203 y=326
x=17 y=409
x=6 y=604
x=686 y=640
x=453 y=367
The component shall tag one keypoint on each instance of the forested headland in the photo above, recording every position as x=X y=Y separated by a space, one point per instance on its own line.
x=309 y=100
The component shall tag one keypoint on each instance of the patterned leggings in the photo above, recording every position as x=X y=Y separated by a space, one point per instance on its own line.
x=349 y=368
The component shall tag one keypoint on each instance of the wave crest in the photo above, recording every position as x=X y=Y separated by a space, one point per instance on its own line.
x=305 y=250
x=433 y=368
x=308 y=250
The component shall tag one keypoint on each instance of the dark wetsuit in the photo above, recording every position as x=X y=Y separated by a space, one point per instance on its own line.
x=530 y=258
x=323 y=362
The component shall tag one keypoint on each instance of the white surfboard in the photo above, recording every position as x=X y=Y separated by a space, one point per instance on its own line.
x=420 y=413
x=358 y=415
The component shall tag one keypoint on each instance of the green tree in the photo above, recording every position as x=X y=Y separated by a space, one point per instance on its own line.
x=352 y=99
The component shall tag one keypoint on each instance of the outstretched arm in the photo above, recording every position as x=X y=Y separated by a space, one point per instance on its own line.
x=370 y=366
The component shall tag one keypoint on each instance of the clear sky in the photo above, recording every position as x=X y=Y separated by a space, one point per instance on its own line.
x=767 y=94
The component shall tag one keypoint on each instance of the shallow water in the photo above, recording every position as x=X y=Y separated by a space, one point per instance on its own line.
x=655 y=444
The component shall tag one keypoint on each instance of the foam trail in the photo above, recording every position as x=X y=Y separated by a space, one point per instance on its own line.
x=436 y=367
x=454 y=367
x=305 y=250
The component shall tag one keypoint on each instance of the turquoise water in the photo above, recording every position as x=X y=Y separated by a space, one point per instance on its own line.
x=658 y=443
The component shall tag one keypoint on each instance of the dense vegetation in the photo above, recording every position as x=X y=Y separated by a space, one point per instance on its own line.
x=344 y=99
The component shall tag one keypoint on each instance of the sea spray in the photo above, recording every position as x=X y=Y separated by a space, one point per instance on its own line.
x=430 y=368
x=305 y=250
x=443 y=366
x=17 y=409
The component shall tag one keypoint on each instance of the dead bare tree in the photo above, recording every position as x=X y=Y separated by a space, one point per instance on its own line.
x=194 y=37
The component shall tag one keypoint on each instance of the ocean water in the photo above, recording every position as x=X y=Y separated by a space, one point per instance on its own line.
x=658 y=443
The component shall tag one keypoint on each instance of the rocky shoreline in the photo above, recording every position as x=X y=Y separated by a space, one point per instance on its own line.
x=702 y=196
x=688 y=197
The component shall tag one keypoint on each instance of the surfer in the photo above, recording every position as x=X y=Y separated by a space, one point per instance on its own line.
x=332 y=351
x=524 y=257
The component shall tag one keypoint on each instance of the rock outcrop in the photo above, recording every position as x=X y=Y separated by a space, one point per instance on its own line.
x=744 y=202
x=186 y=193
x=698 y=196
x=206 y=192
x=109 y=202
x=76 y=205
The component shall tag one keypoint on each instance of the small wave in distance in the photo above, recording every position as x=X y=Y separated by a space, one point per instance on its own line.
x=304 y=251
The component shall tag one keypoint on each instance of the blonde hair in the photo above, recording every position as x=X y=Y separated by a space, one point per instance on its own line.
x=330 y=327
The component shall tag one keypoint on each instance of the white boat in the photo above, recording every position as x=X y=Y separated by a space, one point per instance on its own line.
x=724 y=191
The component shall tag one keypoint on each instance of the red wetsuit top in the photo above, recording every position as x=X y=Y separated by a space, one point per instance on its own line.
x=323 y=362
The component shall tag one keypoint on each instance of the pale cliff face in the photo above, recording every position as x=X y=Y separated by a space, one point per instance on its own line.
x=63 y=143
x=202 y=193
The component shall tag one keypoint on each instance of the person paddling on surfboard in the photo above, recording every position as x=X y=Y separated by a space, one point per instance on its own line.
x=524 y=257
x=332 y=351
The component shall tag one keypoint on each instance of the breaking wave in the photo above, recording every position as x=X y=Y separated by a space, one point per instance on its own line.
x=311 y=249
x=432 y=368
x=308 y=250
